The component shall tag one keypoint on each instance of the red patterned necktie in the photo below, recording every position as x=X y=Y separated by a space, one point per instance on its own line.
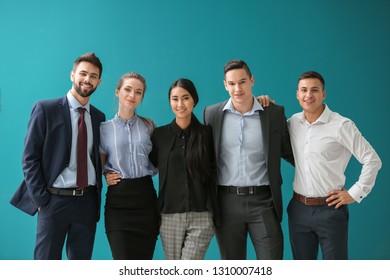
x=82 y=166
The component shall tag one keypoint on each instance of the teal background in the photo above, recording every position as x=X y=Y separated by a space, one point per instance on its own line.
x=347 y=41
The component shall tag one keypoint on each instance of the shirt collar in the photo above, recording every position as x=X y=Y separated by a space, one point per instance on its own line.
x=256 y=107
x=74 y=104
x=323 y=118
x=178 y=130
x=121 y=122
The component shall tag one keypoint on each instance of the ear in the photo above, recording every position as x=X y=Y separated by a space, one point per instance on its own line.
x=297 y=95
x=253 y=80
x=72 y=76
x=323 y=94
x=225 y=84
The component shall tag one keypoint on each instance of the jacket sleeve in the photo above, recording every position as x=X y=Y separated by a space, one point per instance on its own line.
x=287 y=152
x=32 y=157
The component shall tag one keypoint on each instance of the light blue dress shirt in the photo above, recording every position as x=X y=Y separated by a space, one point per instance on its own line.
x=241 y=158
x=127 y=145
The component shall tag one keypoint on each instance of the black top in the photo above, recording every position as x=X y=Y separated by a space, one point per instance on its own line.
x=182 y=192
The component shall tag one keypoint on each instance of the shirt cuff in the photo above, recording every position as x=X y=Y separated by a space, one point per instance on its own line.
x=357 y=194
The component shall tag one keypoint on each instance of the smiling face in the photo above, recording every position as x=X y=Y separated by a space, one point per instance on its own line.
x=310 y=94
x=85 y=79
x=130 y=94
x=182 y=103
x=239 y=85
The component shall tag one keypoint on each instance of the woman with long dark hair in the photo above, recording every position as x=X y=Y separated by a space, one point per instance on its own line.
x=182 y=151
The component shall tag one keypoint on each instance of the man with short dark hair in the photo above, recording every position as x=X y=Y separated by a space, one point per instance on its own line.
x=323 y=143
x=249 y=142
x=62 y=169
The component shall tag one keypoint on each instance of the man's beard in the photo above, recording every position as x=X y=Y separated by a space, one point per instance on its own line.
x=82 y=93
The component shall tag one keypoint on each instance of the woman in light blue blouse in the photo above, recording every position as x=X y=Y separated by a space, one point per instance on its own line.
x=131 y=219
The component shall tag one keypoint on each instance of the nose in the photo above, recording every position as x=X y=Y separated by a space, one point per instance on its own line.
x=237 y=86
x=309 y=93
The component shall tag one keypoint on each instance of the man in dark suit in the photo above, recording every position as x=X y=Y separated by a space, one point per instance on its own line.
x=67 y=199
x=249 y=142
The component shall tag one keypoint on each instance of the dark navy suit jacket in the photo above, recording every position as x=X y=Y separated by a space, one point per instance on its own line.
x=47 y=152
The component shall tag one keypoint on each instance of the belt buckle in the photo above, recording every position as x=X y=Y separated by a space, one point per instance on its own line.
x=238 y=191
x=305 y=200
x=75 y=193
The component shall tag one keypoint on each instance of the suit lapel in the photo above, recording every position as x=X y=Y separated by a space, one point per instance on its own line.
x=64 y=111
x=218 y=127
x=265 y=130
x=96 y=134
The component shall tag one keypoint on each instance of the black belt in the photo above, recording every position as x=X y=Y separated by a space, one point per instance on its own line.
x=244 y=190
x=71 y=191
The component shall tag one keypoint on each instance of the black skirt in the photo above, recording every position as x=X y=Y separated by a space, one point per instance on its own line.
x=131 y=219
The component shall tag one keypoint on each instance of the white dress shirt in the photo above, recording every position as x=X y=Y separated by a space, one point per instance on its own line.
x=322 y=150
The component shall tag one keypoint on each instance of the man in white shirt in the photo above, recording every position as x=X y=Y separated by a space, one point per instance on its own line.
x=323 y=142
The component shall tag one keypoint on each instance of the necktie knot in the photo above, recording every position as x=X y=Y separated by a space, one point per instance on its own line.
x=81 y=111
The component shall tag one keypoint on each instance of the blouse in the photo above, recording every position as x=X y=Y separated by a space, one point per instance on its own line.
x=127 y=145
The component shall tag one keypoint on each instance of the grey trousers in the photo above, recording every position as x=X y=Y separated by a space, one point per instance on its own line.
x=186 y=236
x=249 y=214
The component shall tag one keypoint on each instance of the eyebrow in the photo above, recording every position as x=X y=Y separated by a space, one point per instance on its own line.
x=92 y=74
x=134 y=88
x=240 y=80
x=310 y=88
x=184 y=95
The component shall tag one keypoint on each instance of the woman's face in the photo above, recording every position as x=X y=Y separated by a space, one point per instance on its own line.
x=131 y=93
x=181 y=102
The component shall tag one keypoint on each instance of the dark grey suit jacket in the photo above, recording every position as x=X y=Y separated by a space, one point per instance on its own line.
x=276 y=140
x=47 y=152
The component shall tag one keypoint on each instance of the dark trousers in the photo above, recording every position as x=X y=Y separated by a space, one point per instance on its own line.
x=70 y=218
x=249 y=214
x=311 y=227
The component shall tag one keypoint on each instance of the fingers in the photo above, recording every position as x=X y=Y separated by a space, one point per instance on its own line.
x=332 y=193
x=332 y=200
x=111 y=182
x=339 y=198
x=263 y=100
x=268 y=100
x=112 y=178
